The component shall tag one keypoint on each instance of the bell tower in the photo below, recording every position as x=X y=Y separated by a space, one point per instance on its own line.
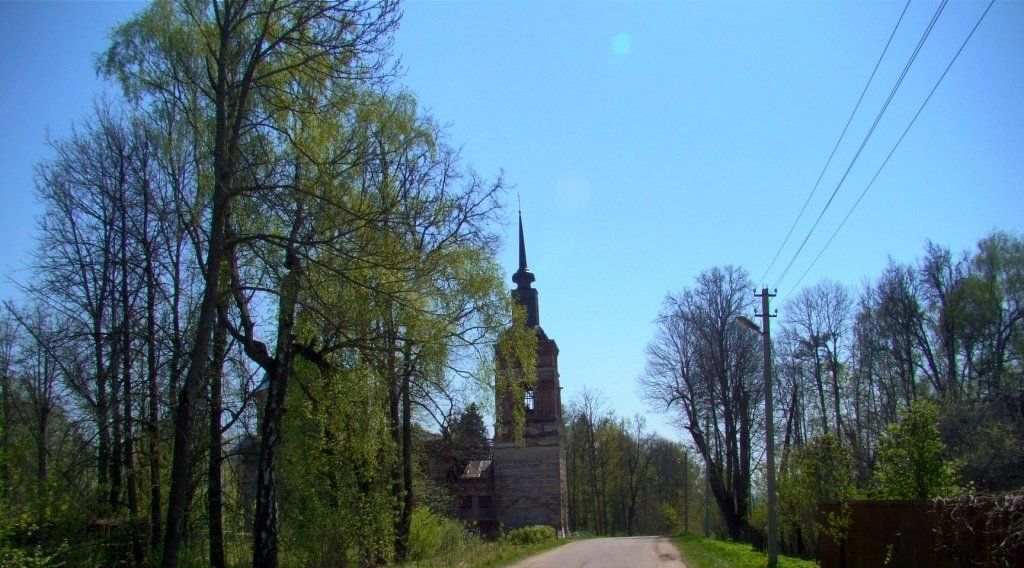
x=530 y=480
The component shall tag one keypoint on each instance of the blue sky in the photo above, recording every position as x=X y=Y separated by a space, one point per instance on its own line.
x=648 y=141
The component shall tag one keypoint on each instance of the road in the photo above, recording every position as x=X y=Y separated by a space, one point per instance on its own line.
x=637 y=551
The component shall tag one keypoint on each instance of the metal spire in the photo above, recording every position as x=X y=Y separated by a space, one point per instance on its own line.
x=523 y=277
x=524 y=295
x=522 y=244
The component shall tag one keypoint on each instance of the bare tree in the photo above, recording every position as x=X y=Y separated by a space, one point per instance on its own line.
x=705 y=367
x=817 y=320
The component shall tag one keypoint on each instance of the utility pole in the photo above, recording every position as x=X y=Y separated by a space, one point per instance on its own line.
x=686 y=492
x=769 y=428
x=707 y=482
x=769 y=421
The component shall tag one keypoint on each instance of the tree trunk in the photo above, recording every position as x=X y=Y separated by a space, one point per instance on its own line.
x=390 y=371
x=214 y=499
x=44 y=426
x=102 y=411
x=114 y=500
x=405 y=523
x=266 y=529
x=138 y=550
x=177 y=498
x=224 y=151
x=152 y=379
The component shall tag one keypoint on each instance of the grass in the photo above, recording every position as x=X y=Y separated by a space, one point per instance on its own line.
x=487 y=554
x=700 y=552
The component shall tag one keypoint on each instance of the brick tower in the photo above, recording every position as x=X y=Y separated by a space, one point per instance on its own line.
x=530 y=480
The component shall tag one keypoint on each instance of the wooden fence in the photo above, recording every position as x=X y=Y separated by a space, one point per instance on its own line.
x=940 y=534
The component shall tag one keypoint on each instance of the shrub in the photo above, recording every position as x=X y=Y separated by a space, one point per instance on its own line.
x=432 y=535
x=912 y=462
x=820 y=471
x=531 y=534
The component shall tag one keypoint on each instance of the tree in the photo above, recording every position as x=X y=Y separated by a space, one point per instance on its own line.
x=469 y=439
x=820 y=471
x=237 y=69
x=817 y=319
x=912 y=462
x=707 y=369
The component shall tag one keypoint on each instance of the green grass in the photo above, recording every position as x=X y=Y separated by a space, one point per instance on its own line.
x=485 y=554
x=700 y=552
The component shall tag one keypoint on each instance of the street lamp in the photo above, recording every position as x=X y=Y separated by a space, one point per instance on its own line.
x=745 y=322
x=768 y=420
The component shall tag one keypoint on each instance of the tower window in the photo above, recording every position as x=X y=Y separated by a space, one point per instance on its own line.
x=528 y=401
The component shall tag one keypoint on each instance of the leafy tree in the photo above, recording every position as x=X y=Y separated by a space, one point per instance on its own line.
x=820 y=471
x=336 y=468
x=469 y=439
x=247 y=74
x=912 y=462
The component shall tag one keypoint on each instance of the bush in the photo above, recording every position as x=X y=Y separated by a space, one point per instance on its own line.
x=532 y=534
x=820 y=471
x=912 y=462
x=432 y=535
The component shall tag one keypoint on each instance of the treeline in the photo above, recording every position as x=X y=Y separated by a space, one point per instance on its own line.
x=626 y=480
x=263 y=262
x=911 y=387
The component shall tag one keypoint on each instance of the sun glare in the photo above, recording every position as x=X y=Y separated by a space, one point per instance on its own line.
x=622 y=43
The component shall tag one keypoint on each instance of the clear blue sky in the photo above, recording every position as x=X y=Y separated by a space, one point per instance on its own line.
x=648 y=141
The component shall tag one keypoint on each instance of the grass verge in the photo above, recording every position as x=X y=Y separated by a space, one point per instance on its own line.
x=700 y=552
x=485 y=554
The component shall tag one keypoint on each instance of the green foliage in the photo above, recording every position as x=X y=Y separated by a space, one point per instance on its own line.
x=818 y=472
x=336 y=467
x=517 y=347
x=911 y=457
x=434 y=535
x=436 y=540
x=699 y=552
x=13 y=556
x=469 y=436
x=483 y=554
x=532 y=534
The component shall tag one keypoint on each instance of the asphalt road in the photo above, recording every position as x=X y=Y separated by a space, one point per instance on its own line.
x=637 y=551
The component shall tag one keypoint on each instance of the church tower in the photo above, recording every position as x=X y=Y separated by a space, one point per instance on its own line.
x=530 y=480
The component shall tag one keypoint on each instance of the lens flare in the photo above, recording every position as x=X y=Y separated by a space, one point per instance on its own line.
x=621 y=44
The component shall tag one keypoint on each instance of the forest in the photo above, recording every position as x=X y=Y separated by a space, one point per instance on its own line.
x=265 y=287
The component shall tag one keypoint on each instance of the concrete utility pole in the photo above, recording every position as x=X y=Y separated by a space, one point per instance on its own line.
x=686 y=492
x=707 y=483
x=769 y=421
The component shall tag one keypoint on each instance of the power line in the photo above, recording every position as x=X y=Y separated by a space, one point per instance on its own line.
x=836 y=147
x=874 y=125
x=895 y=146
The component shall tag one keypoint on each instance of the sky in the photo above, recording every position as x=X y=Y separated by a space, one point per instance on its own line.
x=646 y=142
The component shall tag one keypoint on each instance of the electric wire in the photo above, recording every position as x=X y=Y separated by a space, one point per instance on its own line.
x=838 y=141
x=895 y=146
x=860 y=149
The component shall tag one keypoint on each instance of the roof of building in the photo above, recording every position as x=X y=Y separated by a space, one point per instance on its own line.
x=477 y=468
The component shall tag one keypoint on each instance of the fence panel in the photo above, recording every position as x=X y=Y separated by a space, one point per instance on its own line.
x=943 y=534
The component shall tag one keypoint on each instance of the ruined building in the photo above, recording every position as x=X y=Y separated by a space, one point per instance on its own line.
x=522 y=484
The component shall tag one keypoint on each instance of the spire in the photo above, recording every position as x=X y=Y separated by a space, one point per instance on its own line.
x=523 y=277
x=522 y=244
x=524 y=295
